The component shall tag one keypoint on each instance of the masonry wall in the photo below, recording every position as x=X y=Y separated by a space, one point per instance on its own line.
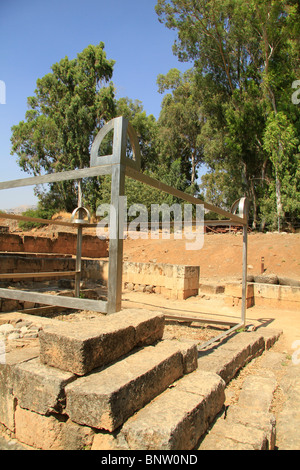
x=173 y=281
x=64 y=243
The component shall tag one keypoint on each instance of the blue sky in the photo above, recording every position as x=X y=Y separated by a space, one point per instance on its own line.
x=34 y=34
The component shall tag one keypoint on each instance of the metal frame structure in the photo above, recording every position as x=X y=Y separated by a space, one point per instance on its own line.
x=118 y=165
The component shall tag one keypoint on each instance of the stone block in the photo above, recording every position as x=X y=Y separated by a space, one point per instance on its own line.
x=172 y=281
x=277 y=293
x=105 y=399
x=234 y=436
x=9 y=305
x=81 y=347
x=7 y=399
x=207 y=288
x=235 y=289
x=40 y=388
x=257 y=392
x=177 y=418
x=38 y=430
x=255 y=419
x=228 y=358
x=54 y=432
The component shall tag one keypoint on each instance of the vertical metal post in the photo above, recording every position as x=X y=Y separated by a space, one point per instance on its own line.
x=79 y=245
x=116 y=218
x=78 y=261
x=244 y=285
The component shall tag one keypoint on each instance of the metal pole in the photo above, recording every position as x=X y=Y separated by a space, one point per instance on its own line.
x=78 y=261
x=244 y=285
x=79 y=244
x=116 y=221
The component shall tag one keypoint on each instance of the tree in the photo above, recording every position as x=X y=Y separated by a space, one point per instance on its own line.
x=153 y=162
x=70 y=106
x=281 y=143
x=246 y=57
x=180 y=121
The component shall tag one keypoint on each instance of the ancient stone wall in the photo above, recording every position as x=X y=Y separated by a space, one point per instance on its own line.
x=64 y=243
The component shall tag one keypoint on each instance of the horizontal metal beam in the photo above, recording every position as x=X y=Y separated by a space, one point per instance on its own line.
x=36 y=220
x=192 y=319
x=39 y=274
x=132 y=173
x=55 y=177
x=55 y=300
x=203 y=346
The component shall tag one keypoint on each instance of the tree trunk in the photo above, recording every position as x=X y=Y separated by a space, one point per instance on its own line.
x=278 y=199
x=193 y=177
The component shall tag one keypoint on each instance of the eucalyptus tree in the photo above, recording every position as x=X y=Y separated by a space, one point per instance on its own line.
x=246 y=55
x=181 y=121
x=68 y=108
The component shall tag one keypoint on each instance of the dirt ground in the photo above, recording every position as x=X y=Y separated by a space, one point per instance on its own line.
x=219 y=259
x=221 y=255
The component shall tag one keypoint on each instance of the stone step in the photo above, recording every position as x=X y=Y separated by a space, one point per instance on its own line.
x=175 y=420
x=247 y=425
x=105 y=399
x=79 y=347
x=227 y=358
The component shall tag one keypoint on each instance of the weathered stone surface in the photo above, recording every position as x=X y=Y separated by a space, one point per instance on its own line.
x=81 y=347
x=7 y=399
x=266 y=279
x=177 y=418
x=54 y=432
x=38 y=430
x=234 y=436
x=106 y=398
x=106 y=441
x=228 y=358
x=255 y=419
x=257 y=393
x=76 y=437
x=174 y=281
x=288 y=429
x=288 y=424
x=270 y=336
x=40 y=388
x=214 y=442
x=64 y=242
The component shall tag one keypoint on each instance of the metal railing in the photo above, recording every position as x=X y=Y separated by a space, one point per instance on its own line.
x=118 y=165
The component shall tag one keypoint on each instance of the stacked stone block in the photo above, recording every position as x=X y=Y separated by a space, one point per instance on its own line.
x=92 y=384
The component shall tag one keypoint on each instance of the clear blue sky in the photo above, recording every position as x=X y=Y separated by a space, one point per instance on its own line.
x=34 y=34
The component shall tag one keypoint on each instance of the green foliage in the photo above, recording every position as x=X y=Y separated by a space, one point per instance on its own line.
x=70 y=105
x=39 y=213
x=180 y=122
x=246 y=57
x=232 y=111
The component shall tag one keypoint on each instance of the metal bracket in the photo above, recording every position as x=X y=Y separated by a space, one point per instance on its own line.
x=242 y=207
x=121 y=127
x=80 y=220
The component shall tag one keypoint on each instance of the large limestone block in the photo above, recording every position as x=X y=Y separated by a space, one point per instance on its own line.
x=80 y=347
x=54 y=432
x=40 y=388
x=177 y=419
x=107 y=398
x=7 y=398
